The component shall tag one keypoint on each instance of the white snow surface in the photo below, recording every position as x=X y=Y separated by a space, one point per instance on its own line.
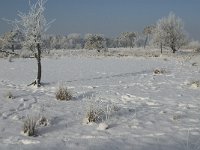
x=144 y=111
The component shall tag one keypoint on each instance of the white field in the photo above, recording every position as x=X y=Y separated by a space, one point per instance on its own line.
x=145 y=111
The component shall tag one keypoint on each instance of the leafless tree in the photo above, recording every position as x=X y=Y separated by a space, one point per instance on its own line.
x=170 y=32
x=34 y=25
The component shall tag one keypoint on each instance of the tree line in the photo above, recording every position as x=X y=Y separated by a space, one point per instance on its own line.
x=166 y=32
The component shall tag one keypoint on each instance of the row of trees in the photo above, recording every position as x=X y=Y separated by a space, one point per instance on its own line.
x=167 y=32
x=73 y=41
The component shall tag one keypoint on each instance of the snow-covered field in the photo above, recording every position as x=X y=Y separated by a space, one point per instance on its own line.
x=144 y=111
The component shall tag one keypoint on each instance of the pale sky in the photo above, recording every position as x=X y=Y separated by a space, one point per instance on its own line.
x=108 y=17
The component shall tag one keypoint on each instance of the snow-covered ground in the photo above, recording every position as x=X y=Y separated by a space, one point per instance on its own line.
x=144 y=111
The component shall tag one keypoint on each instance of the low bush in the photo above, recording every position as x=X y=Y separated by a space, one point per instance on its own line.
x=94 y=114
x=42 y=121
x=99 y=112
x=195 y=84
x=159 y=71
x=29 y=127
x=63 y=94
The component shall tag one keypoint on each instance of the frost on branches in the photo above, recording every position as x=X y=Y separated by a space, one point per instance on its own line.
x=127 y=39
x=95 y=41
x=169 y=32
x=33 y=25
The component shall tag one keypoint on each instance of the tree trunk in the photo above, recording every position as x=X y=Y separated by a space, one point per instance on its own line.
x=39 y=73
x=145 y=42
x=173 y=49
x=13 y=48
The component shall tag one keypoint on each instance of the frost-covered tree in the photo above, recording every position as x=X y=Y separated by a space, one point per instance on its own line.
x=34 y=25
x=1 y=43
x=127 y=39
x=169 y=32
x=140 y=41
x=95 y=41
x=12 y=40
x=74 y=41
x=148 y=30
x=111 y=42
x=59 y=42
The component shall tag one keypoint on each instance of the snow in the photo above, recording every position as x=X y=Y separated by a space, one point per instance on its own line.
x=142 y=110
x=102 y=126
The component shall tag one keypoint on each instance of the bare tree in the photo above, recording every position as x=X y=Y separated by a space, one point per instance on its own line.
x=33 y=25
x=169 y=32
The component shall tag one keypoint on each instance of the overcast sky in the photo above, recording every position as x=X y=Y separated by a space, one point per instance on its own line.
x=108 y=17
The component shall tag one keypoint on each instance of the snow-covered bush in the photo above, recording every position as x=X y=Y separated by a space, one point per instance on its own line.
x=159 y=71
x=195 y=84
x=1 y=55
x=98 y=112
x=42 y=121
x=169 y=32
x=25 y=54
x=63 y=94
x=12 y=40
x=29 y=127
x=94 y=114
x=94 y=41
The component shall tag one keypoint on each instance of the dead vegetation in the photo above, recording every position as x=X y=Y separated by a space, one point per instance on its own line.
x=159 y=71
x=29 y=127
x=63 y=94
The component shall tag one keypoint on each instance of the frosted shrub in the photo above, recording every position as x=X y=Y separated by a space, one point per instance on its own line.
x=159 y=71
x=3 y=55
x=42 y=121
x=195 y=84
x=98 y=113
x=95 y=41
x=25 y=54
x=63 y=94
x=29 y=127
x=94 y=114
